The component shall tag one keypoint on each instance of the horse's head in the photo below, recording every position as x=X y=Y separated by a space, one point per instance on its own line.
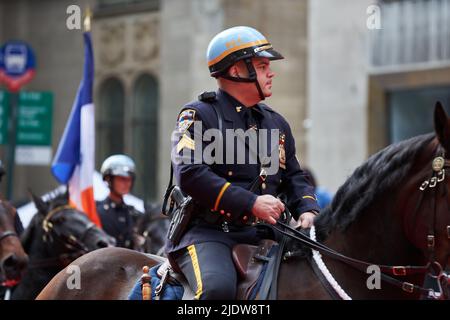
x=438 y=243
x=394 y=209
x=13 y=259
x=425 y=200
x=66 y=232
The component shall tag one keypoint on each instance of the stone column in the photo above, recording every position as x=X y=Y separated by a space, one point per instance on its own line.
x=337 y=77
x=186 y=29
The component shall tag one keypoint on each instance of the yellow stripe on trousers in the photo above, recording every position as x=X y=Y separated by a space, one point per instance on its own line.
x=198 y=275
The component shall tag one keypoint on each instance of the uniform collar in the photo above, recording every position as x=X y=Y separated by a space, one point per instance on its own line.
x=113 y=204
x=231 y=106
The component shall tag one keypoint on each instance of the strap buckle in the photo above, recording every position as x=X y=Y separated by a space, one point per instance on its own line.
x=433 y=182
x=408 y=287
x=430 y=241
x=399 y=270
x=424 y=185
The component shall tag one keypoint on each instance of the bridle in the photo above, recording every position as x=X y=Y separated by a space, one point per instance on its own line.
x=439 y=165
x=433 y=268
x=74 y=245
x=3 y=236
x=7 y=233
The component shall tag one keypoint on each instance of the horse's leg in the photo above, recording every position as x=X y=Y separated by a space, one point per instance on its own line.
x=105 y=274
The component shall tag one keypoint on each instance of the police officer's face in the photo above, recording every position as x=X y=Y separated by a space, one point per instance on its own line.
x=264 y=75
x=121 y=185
x=263 y=72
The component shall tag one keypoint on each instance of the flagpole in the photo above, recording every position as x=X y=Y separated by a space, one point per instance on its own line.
x=75 y=158
x=87 y=20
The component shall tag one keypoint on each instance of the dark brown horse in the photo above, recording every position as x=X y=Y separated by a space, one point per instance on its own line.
x=56 y=236
x=393 y=211
x=13 y=259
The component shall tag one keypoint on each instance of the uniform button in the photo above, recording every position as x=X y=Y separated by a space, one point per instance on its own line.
x=105 y=206
x=263 y=186
x=230 y=173
x=245 y=218
x=228 y=215
x=222 y=211
x=281 y=180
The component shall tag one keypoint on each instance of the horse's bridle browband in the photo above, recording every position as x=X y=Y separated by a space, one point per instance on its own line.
x=8 y=233
x=439 y=165
x=70 y=242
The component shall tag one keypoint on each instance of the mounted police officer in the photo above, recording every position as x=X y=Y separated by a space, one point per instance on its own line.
x=117 y=217
x=225 y=207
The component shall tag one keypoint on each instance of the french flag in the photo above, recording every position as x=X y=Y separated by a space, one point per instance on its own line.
x=75 y=158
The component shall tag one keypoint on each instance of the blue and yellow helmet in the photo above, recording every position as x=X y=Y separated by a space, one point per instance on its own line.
x=237 y=43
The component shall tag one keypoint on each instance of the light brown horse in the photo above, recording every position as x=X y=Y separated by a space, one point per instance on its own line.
x=393 y=211
x=13 y=259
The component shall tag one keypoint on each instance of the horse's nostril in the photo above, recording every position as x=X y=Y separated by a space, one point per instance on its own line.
x=10 y=262
x=102 y=244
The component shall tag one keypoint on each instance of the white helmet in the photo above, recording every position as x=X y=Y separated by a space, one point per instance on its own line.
x=118 y=165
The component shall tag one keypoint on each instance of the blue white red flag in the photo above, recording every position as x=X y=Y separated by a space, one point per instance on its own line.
x=75 y=158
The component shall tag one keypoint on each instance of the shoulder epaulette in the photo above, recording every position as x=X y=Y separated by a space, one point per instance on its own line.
x=207 y=96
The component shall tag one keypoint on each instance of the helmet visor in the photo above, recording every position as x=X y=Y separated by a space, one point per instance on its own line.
x=122 y=171
x=270 y=53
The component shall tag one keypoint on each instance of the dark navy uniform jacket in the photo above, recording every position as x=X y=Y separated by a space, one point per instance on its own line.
x=117 y=221
x=223 y=188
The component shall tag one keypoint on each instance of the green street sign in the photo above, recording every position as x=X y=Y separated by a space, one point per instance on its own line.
x=34 y=118
x=4 y=116
x=34 y=123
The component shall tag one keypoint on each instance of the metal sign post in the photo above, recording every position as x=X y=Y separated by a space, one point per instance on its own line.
x=17 y=64
x=12 y=125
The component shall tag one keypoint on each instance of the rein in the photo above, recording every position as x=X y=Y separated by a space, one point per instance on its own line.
x=358 y=264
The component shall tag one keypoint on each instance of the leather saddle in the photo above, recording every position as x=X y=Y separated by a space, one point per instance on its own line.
x=249 y=261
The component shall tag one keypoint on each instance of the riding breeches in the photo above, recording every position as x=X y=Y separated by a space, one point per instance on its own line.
x=209 y=269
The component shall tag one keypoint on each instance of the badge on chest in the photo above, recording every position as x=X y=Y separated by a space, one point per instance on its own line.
x=282 y=150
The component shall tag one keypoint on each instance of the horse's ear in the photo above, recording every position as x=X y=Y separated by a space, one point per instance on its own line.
x=39 y=203
x=67 y=195
x=442 y=126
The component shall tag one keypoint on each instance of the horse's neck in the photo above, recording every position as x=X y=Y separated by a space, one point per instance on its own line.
x=377 y=238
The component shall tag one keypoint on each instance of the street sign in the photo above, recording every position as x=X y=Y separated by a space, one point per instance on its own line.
x=34 y=128
x=17 y=64
x=34 y=124
x=4 y=116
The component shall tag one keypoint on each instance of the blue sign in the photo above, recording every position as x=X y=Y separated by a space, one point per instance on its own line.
x=17 y=64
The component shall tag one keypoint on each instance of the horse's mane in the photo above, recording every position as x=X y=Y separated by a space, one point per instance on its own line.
x=381 y=172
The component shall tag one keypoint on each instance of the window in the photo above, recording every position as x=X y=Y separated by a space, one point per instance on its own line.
x=144 y=128
x=411 y=111
x=411 y=32
x=110 y=120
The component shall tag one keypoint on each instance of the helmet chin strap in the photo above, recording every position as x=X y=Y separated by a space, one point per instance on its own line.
x=252 y=77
